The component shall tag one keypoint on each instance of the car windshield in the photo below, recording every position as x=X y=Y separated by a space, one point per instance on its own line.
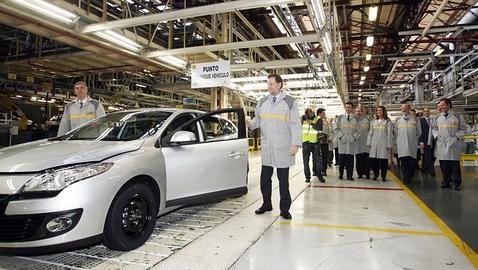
x=120 y=126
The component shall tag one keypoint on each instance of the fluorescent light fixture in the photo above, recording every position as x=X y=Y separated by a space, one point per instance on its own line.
x=369 y=41
x=49 y=10
x=18 y=96
x=141 y=85
x=173 y=60
x=33 y=98
x=278 y=24
x=372 y=13
x=439 y=51
x=368 y=57
x=318 y=9
x=327 y=43
x=361 y=82
x=366 y=68
x=118 y=39
x=362 y=78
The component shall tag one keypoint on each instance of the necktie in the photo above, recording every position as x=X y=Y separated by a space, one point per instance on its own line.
x=428 y=123
x=446 y=114
x=274 y=100
x=81 y=105
x=348 y=117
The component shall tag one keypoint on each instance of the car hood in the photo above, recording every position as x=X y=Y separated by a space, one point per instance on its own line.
x=41 y=155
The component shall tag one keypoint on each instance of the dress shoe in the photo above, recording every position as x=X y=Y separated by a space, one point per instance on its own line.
x=341 y=177
x=307 y=180
x=445 y=185
x=322 y=180
x=375 y=178
x=457 y=187
x=384 y=180
x=261 y=210
x=350 y=178
x=360 y=177
x=285 y=215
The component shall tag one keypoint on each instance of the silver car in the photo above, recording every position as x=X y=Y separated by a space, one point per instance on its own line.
x=109 y=179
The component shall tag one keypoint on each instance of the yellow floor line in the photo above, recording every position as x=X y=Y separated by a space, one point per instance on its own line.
x=454 y=238
x=361 y=228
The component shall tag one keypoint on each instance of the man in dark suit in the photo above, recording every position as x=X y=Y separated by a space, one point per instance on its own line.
x=427 y=144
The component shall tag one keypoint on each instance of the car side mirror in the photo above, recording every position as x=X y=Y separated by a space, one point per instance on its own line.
x=183 y=137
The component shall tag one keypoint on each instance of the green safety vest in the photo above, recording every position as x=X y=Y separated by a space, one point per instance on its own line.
x=309 y=134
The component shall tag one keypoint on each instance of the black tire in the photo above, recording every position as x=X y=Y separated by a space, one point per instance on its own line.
x=131 y=217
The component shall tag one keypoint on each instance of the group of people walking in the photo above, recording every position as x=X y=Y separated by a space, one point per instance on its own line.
x=371 y=142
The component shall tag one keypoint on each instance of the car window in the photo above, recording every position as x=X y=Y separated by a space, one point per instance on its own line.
x=120 y=127
x=218 y=129
x=179 y=121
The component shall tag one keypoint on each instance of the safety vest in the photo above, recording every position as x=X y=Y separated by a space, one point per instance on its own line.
x=309 y=134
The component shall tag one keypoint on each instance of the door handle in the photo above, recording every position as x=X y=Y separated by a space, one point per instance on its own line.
x=236 y=154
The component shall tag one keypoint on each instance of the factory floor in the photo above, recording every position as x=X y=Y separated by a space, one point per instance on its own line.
x=339 y=224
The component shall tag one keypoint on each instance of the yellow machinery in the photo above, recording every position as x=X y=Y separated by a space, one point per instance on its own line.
x=6 y=102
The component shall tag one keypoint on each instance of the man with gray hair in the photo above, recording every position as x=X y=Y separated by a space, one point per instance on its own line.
x=80 y=110
x=407 y=132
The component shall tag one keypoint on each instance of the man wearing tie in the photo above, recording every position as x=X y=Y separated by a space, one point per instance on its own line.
x=448 y=130
x=80 y=110
x=277 y=115
x=427 y=143
x=407 y=132
x=347 y=132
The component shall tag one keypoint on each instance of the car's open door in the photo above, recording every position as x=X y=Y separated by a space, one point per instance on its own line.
x=206 y=157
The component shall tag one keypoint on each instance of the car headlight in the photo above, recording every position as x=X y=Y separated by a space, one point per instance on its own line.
x=58 y=179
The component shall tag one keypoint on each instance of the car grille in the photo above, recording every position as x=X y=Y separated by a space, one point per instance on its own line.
x=19 y=228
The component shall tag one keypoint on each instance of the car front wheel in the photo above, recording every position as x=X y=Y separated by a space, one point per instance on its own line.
x=131 y=217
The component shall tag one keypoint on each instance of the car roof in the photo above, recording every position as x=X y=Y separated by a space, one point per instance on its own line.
x=171 y=110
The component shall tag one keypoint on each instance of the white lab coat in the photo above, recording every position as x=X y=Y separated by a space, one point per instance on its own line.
x=280 y=129
x=347 y=132
x=449 y=132
x=380 y=138
x=408 y=130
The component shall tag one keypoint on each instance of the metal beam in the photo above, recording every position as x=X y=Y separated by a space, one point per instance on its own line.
x=235 y=45
x=299 y=62
x=439 y=29
x=391 y=71
x=257 y=33
x=183 y=14
x=423 y=56
x=435 y=17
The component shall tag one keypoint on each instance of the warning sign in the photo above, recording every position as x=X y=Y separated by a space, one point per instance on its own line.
x=210 y=74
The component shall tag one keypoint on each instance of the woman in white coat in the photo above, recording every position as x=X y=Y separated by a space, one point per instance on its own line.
x=380 y=139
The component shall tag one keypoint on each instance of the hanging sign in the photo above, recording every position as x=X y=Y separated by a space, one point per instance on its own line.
x=211 y=74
